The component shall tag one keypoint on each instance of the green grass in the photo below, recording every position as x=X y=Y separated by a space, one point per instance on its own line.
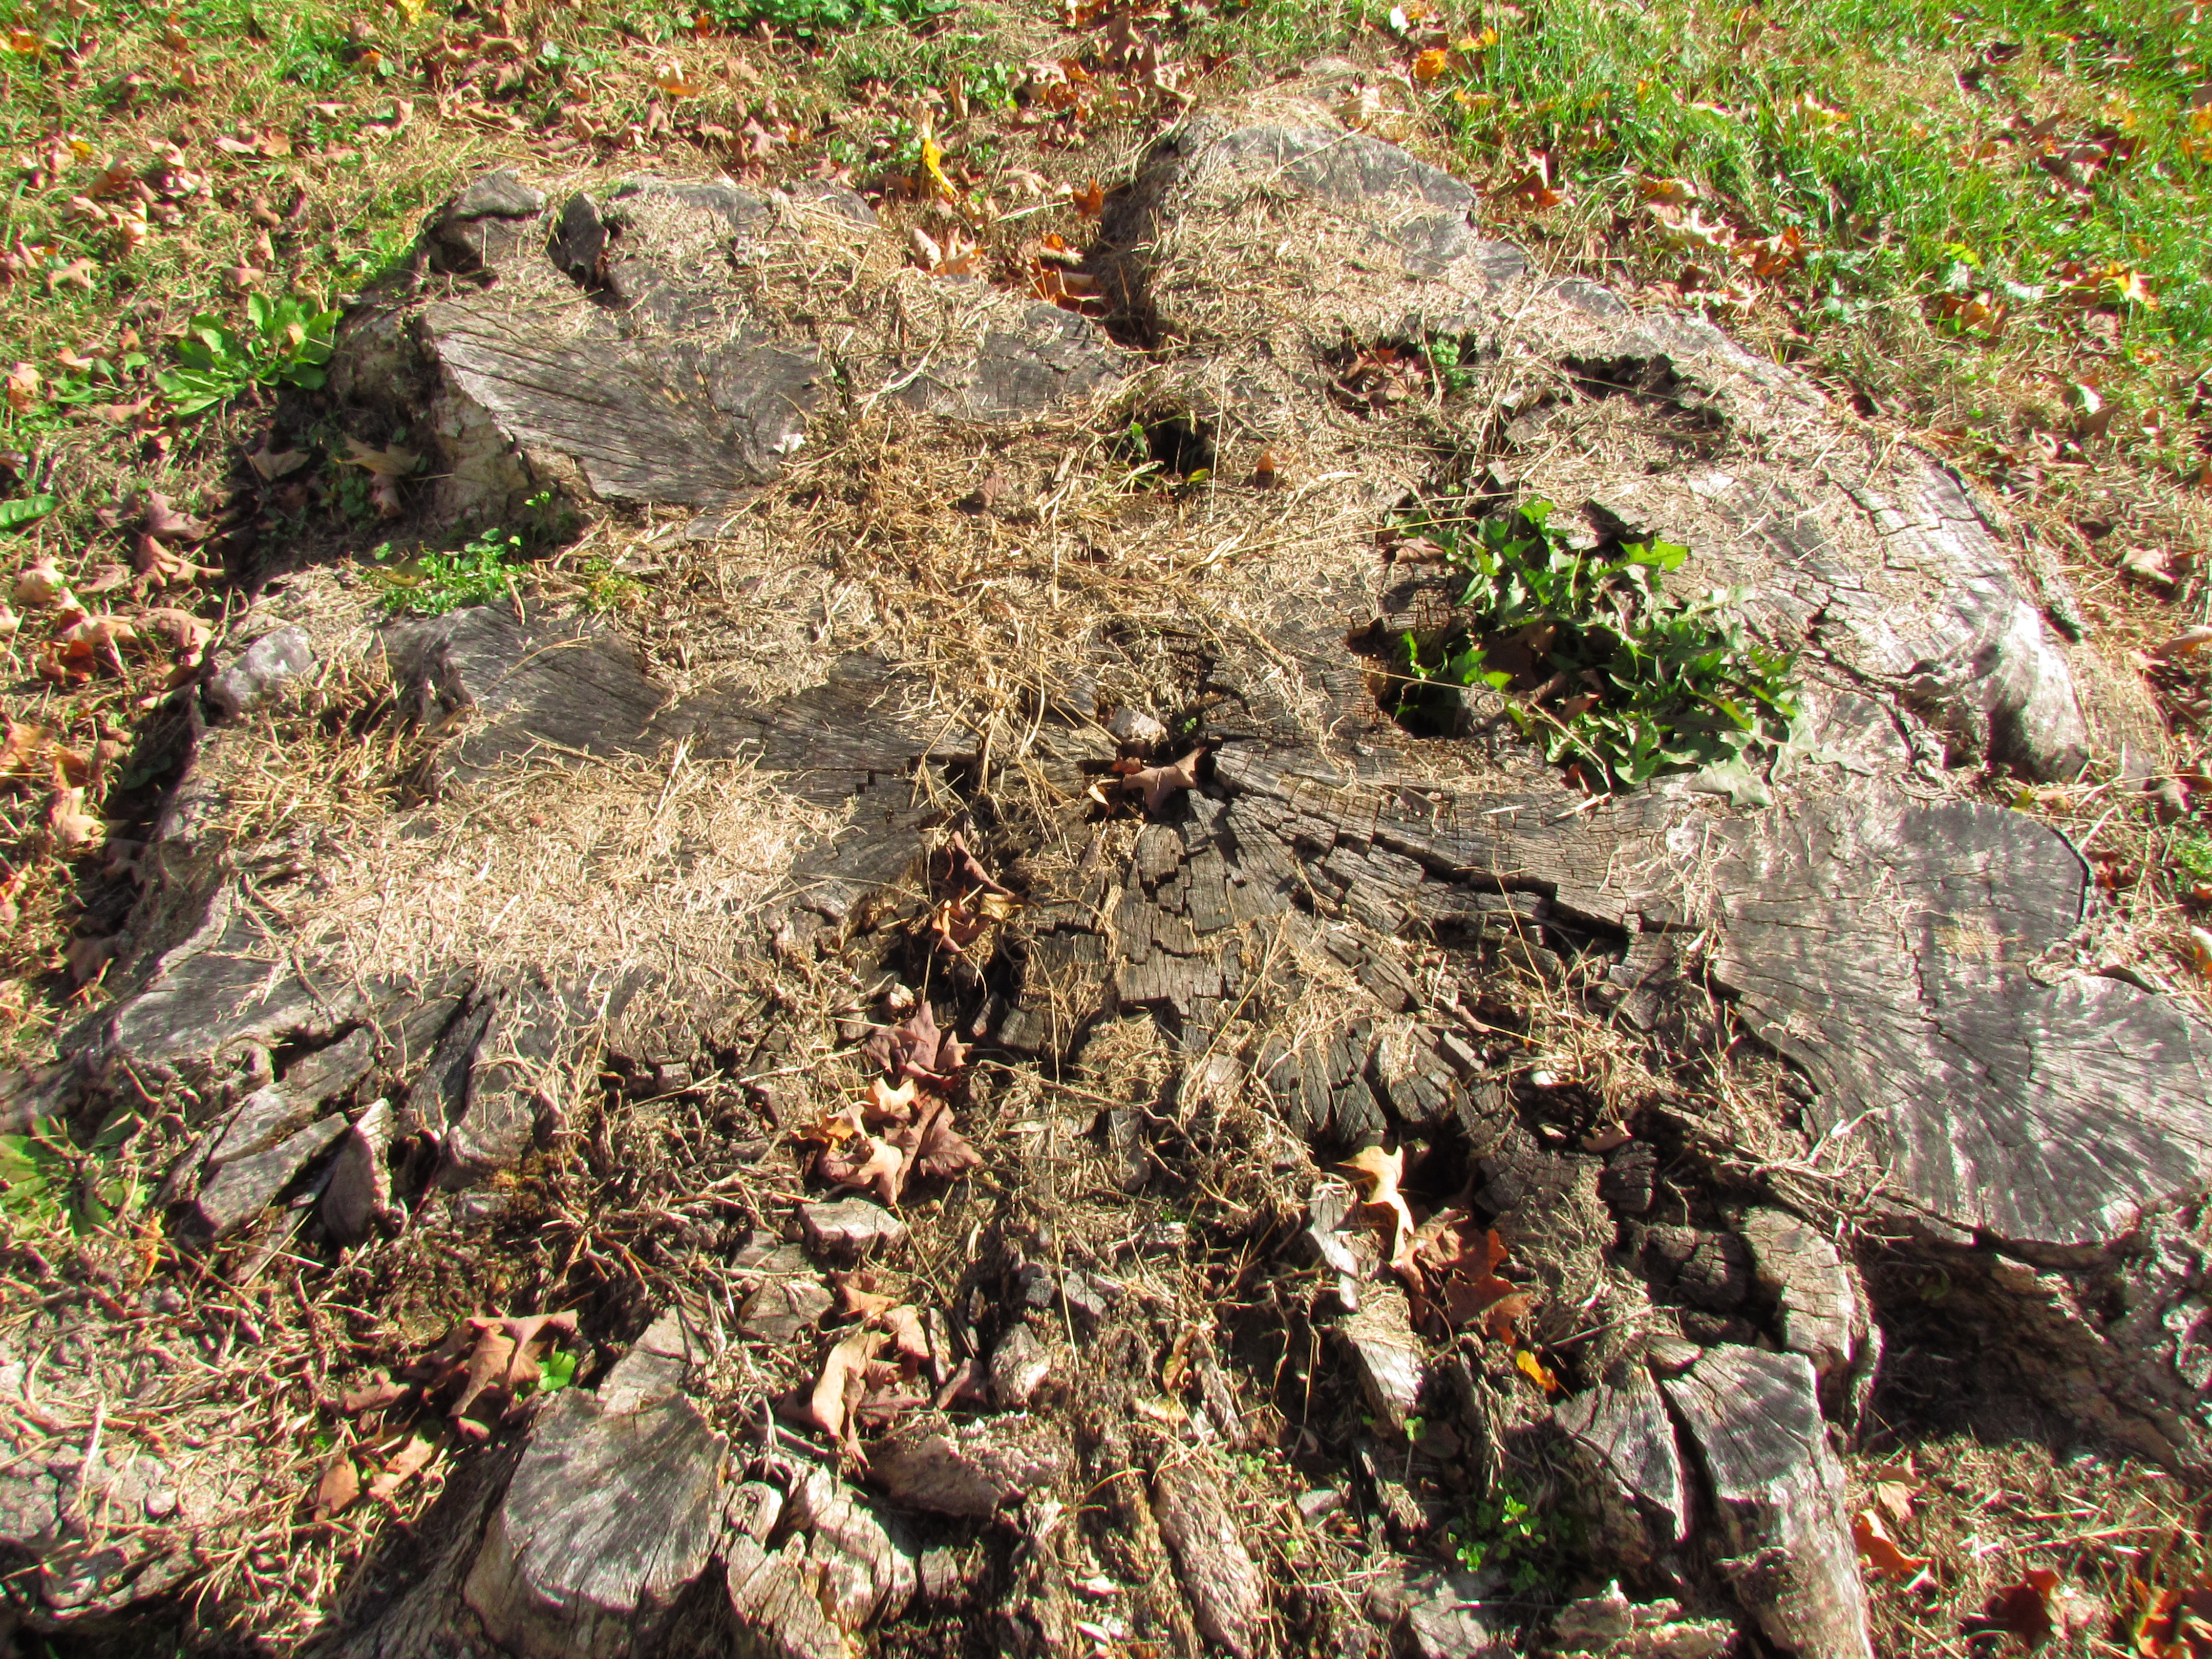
x=1847 y=123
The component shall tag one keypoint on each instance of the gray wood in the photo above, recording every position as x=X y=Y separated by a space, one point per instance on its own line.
x=1641 y=1489
x=1228 y=1597
x=774 y=1607
x=969 y=1470
x=1779 y=1496
x=607 y=1519
x=359 y=1195
x=676 y=422
x=1888 y=949
x=864 y=1557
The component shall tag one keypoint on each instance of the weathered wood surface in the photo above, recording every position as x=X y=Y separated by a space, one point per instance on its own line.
x=687 y=425
x=1625 y=1434
x=1888 y=950
x=1895 y=952
x=609 y=1517
x=1880 y=554
x=618 y=350
x=970 y=1470
x=1228 y=1596
x=1778 y=1489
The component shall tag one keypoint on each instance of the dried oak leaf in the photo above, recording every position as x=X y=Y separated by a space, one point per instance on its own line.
x=874 y=1164
x=336 y=1489
x=935 y=1148
x=165 y=524
x=2172 y=1623
x=410 y=1459
x=374 y=1396
x=2024 y=1609
x=1880 y=1552
x=69 y=827
x=915 y=1049
x=843 y=1384
x=1381 y=1171
x=857 y=1298
x=903 y=1325
x=1157 y=783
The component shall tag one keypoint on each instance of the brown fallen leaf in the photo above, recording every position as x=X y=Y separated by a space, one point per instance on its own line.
x=938 y=1150
x=858 y=1299
x=22 y=388
x=1090 y=201
x=843 y=1385
x=914 y=1049
x=1381 y=1171
x=336 y=1489
x=76 y=273
x=275 y=464
x=886 y=1104
x=104 y=579
x=39 y=583
x=1157 y=783
x=873 y=1163
x=183 y=632
x=1880 y=1552
x=27 y=751
x=69 y=827
x=904 y=1327
x=374 y=1396
x=2148 y=564
x=87 y=957
x=2190 y=639
x=164 y=523
x=410 y=1460
x=2023 y=1609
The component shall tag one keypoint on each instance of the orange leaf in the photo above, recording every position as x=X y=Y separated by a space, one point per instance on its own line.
x=1431 y=65
x=1090 y=201
x=1536 y=1371
x=1880 y=1552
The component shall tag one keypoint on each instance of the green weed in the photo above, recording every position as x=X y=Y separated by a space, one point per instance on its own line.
x=606 y=588
x=1505 y=1534
x=1645 y=684
x=433 y=583
x=556 y=1372
x=285 y=342
x=2192 y=854
x=49 y=1183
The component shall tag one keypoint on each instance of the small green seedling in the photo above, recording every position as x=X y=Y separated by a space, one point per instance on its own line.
x=432 y=583
x=286 y=342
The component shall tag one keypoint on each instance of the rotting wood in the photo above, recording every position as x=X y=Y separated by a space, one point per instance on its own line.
x=1778 y=1490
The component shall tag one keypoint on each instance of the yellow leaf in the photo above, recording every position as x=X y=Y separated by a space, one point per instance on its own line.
x=1536 y=1371
x=2132 y=287
x=25 y=43
x=933 y=163
x=673 y=82
x=1431 y=65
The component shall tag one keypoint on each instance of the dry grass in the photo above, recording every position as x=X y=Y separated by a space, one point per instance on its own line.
x=1983 y=1515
